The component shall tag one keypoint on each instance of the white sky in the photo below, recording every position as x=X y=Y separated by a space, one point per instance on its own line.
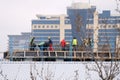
x=16 y=15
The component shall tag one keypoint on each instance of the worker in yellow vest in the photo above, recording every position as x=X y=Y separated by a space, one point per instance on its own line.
x=74 y=43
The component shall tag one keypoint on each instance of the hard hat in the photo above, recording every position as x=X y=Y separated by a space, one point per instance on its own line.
x=48 y=37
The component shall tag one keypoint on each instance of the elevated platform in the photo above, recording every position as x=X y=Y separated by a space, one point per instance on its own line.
x=62 y=55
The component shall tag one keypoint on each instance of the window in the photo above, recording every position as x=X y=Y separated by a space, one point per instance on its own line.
x=114 y=26
x=109 y=26
x=56 y=26
x=51 y=26
x=35 y=26
x=104 y=26
x=38 y=26
x=47 y=26
x=43 y=26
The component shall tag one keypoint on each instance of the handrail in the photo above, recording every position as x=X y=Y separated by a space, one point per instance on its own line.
x=63 y=54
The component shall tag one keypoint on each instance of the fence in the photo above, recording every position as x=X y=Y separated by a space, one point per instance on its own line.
x=68 y=55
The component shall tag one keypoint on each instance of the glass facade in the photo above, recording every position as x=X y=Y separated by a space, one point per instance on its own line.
x=108 y=28
x=79 y=20
x=68 y=35
x=54 y=27
x=19 y=42
x=45 y=22
x=42 y=35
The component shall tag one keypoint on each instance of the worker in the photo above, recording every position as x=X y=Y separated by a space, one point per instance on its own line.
x=40 y=45
x=43 y=45
x=63 y=45
x=32 y=45
x=50 y=44
x=74 y=43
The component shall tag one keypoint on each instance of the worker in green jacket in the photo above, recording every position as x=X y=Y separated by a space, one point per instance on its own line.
x=32 y=45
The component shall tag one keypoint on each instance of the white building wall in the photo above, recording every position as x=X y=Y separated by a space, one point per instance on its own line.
x=63 y=26
x=118 y=44
x=95 y=30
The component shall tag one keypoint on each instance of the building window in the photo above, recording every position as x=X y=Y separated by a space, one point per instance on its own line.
x=51 y=26
x=43 y=26
x=35 y=26
x=56 y=26
x=109 y=26
x=47 y=26
x=118 y=21
x=111 y=21
x=114 y=26
x=104 y=26
x=38 y=26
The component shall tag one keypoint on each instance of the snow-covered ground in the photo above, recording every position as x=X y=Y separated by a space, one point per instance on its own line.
x=54 y=70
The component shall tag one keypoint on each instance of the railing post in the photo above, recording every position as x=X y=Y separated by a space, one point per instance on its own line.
x=64 y=54
x=49 y=53
x=75 y=54
x=56 y=54
x=82 y=54
x=70 y=51
x=42 y=55
x=24 y=53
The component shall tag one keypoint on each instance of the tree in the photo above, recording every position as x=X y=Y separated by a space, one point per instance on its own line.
x=43 y=73
x=105 y=70
x=2 y=74
x=111 y=69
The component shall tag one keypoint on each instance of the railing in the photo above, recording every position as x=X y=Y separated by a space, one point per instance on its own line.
x=80 y=53
x=76 y=55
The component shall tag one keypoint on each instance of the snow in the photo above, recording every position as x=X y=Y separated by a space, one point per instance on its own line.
x=54 y=70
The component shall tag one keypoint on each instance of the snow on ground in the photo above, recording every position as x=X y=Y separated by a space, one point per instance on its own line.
x=54 y=70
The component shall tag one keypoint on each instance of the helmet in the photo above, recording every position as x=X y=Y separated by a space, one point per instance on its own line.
x=48 y=37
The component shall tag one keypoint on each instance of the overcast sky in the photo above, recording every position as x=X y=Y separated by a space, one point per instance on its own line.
x=16 y=15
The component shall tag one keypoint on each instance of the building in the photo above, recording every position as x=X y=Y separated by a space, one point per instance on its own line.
x=19 y=42
x=80 y=15
x=57 y=27
x=109 y=29
x=82 y=21
x=102 y=28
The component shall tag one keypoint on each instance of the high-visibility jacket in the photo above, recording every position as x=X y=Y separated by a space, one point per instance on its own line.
x=74 y=42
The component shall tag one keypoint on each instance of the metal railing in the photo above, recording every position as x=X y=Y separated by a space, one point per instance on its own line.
x=79 y=55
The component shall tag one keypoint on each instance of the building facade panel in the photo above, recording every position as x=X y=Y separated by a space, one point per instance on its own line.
x=101 y=27
x=19 y=42
x=79 y=19
x=50 y=26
